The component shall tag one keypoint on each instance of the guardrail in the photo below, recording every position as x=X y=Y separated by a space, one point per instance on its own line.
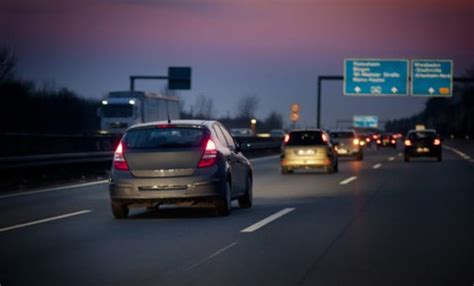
x=249 y=145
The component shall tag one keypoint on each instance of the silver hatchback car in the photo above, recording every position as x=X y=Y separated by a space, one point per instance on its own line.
x=183 y=162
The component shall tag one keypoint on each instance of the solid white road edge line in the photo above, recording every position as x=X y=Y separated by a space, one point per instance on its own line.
x=348 y=180
x=264 y=158
x=211 y=256
x=460 y=153
x=44 y=220
x=53 y=189
x=376 y=166
x=267 y=220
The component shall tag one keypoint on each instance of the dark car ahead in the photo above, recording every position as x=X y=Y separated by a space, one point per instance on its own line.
x=426 y=143
x=347 y=143
x=184 y=162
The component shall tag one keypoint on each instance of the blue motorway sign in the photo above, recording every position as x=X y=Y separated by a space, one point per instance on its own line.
x=375 y=77
x=432 y=77
x=367 y=121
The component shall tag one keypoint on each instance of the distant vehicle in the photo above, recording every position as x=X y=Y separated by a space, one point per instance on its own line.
x=122 y=109
x=241 y=132
x=387 y=140
x=425 y=143
x=305 y=149
x=347 y=143
x=277 y=133
x=185 y=162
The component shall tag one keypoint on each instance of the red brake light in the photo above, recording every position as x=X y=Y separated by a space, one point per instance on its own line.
x=324 y=137
x=287 y=138
x=165 y=126
x=407 y=142
x=437 y=142
x=355 y=141
x=209 y=156
x=119 y=160
x=393 y=141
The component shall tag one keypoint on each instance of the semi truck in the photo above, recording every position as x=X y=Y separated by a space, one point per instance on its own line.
x=122 y=109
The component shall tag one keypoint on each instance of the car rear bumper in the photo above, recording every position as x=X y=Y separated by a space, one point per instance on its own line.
x=415 y=152
x=305 y=163
x=165 y=190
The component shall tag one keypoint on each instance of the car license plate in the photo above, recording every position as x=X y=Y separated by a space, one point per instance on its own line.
x=422 y=150
x=342 y=151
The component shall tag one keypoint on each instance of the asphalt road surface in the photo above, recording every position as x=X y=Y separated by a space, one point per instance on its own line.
x=377 y=222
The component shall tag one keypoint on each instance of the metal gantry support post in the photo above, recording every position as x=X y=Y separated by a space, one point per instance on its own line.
x=320 y=79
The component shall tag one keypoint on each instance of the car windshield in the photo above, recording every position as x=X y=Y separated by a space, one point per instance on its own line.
x=305 y=138
x=342 y=135
x=117 y=110
x=164 y=138
x=421 y=135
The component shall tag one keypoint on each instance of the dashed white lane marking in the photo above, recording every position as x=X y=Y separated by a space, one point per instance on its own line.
x=267 y=220
x=376 y=166
x=44 y=220
x=400 y=154
x=391 y=158
x=348 y=180
x=53 y=189
x=460 y=153
x=211 y=256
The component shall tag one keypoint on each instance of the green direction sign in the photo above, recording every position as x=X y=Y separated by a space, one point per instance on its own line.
x=432 y=77
x=375 y=77
x=365 y=121
x=179 y=78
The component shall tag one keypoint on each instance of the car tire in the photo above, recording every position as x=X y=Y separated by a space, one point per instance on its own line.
x=285 y=171
x=119 y=209
x=336 y=167
x=360 y=156
x=329 y=169
x=406 y=158
x=439 y=158
x=224 y=205
x=245 y=201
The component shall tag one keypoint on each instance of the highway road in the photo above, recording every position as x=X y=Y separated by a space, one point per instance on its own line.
x=377 y=222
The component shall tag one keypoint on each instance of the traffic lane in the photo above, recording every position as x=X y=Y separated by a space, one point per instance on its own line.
x=464 y=145
x=418 y=230
x=273 y=188
x=281 y=252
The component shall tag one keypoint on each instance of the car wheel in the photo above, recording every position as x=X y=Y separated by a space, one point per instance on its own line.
x=406 y=158
x=360 y=156
x=439 y=158
x=224 y=205
x=245 y=201
x=336 y=167
x=329 y=169
x=285 y=171
x=119 y=210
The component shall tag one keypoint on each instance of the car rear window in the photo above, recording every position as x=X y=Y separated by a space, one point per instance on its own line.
x=341 y=135
x=305 y=138
x=421 y=135
x=164 y=138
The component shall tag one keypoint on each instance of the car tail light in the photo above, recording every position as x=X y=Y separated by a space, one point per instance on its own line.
x=119 y=160
x=367 y=139
x=362 y=142
x=437 y=142
x=287 y=138
x=324 y=137
x=209 y=156
x=355 y=141
x=393 y=141
x=407 y=142
x=379 y=142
